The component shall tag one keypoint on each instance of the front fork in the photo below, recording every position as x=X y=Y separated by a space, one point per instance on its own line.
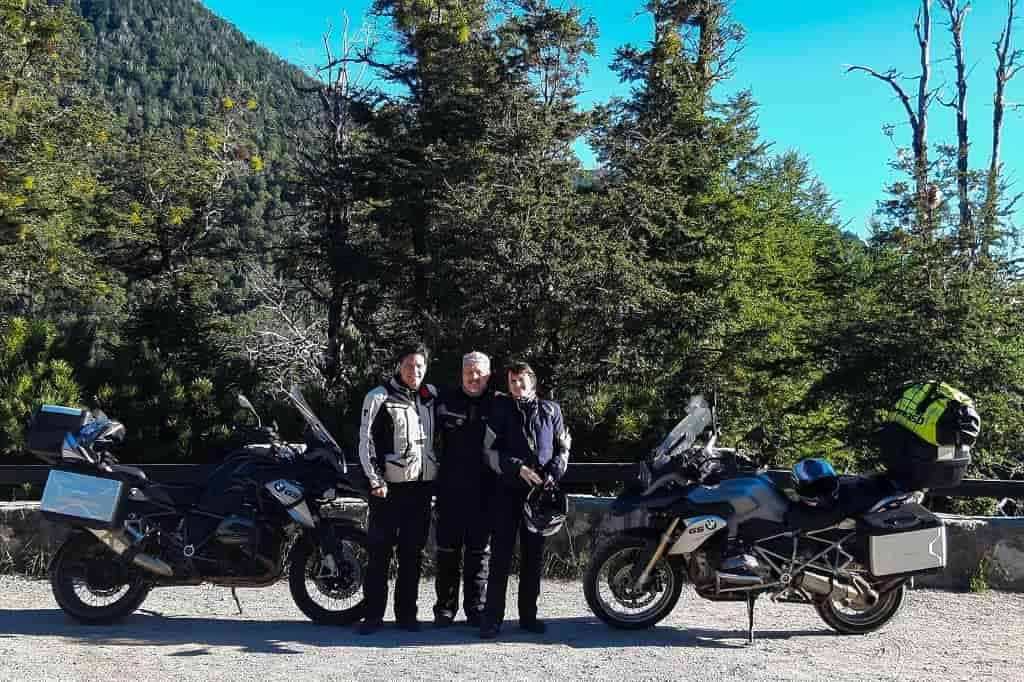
x=640 y=577
x=329 y=547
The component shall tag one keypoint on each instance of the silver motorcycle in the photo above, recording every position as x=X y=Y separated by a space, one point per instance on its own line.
x=717 y=520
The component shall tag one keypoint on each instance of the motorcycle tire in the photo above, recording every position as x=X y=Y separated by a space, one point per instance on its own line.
x=331 y=600
x=847 y=621
x=606 y=586
x=85 y=568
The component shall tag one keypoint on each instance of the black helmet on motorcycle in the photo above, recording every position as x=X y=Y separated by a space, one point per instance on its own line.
x=545 y=509
x=816 y=482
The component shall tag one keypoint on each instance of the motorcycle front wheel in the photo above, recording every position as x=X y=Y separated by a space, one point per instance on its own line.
x=848 y=620
x=611 y=595
x=92 y=584
x=330 y=595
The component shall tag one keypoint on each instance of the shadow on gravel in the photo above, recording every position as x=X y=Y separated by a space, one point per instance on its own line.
x=199 y=636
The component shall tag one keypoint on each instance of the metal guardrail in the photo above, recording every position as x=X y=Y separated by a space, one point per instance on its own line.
x=578 y=475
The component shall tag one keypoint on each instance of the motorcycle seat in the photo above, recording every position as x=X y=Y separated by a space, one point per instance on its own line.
x=801 y=517
x=857 y=494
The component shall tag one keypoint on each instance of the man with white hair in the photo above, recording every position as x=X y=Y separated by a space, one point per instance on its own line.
x=465 y=491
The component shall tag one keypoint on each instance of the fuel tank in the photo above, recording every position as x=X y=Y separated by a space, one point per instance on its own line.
x=755 y=497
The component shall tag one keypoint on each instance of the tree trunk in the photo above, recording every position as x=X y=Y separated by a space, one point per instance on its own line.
x=1007 y=66
x=965 y=233
x=925 y=208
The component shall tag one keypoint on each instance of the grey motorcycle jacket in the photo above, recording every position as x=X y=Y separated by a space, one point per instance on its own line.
x=396 y=434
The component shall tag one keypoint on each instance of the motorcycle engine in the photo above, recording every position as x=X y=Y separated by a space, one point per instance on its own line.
x=239 y=530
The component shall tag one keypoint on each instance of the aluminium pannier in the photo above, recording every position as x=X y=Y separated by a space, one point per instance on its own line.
x=909 y=540
x=92 y=499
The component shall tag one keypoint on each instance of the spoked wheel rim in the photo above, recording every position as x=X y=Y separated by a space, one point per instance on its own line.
x=619 y=599
x=98 y=579
x=865 y=617
x=341 y=589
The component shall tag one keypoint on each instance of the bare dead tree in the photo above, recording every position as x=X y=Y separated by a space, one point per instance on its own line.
x=1009 y=61
x=322 y=253
x=288 y=341
x=957 y=14
x=917 y=113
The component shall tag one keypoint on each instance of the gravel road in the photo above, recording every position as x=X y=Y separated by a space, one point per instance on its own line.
x=196 y=634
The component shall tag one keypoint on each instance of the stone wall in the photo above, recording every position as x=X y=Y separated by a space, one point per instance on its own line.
x=978 y=547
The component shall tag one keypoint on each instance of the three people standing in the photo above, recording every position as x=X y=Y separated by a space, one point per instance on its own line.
x=525 y=443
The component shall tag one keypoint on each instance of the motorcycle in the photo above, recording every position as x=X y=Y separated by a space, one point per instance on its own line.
x=258 y=518
x=720 y=521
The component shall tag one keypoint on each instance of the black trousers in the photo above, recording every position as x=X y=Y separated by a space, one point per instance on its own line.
x=402 y=520
x=464 y=520
x=508 y=525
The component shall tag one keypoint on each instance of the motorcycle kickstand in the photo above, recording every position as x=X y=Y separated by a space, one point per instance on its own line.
x=751 y=598
x=238 y=604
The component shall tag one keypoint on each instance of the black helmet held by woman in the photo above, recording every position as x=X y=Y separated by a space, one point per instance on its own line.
x=545 y=510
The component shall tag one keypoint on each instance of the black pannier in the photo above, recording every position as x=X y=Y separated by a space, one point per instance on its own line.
x=915 y=464
x=49 y=426
x=927 y=442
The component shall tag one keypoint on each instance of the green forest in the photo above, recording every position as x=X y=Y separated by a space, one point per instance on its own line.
x=184 y=216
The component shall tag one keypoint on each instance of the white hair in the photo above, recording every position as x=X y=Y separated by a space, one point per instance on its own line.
x=477 y=358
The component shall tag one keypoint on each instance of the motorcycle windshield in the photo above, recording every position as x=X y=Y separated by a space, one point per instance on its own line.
x=314 y=422
x=686 y=432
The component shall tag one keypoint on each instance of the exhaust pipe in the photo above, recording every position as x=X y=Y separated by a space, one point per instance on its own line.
x=119 y=543
x=727 y=580
x=860 y=592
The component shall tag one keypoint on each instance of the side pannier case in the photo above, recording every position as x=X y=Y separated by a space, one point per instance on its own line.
x=909 y=540
x=93 y=499
x=927 y=443
x=49 y=426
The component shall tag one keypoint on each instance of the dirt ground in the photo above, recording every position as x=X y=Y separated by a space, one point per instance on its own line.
x=196 y=634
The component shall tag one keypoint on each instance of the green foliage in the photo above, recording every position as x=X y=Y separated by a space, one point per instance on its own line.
x=187 y=216
x=48 y=134
x=32 y=372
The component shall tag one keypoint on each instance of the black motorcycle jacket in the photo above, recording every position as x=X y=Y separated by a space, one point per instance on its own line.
x=461 y=424
x=528 y=432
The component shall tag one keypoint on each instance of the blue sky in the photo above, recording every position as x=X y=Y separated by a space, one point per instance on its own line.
x=792 y=61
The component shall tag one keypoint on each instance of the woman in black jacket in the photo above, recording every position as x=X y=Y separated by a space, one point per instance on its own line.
x=527 y=445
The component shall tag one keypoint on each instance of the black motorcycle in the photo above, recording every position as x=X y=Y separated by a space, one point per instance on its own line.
x=258 y=518
x=717 y=520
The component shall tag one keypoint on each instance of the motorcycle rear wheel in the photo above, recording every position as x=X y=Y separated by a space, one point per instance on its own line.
x=331 y=599
x=850 y=621
x=92 y=584
x=612 y=598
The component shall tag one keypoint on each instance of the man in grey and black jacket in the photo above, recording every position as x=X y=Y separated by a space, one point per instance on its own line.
x=396 y=450
x=465 y=493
